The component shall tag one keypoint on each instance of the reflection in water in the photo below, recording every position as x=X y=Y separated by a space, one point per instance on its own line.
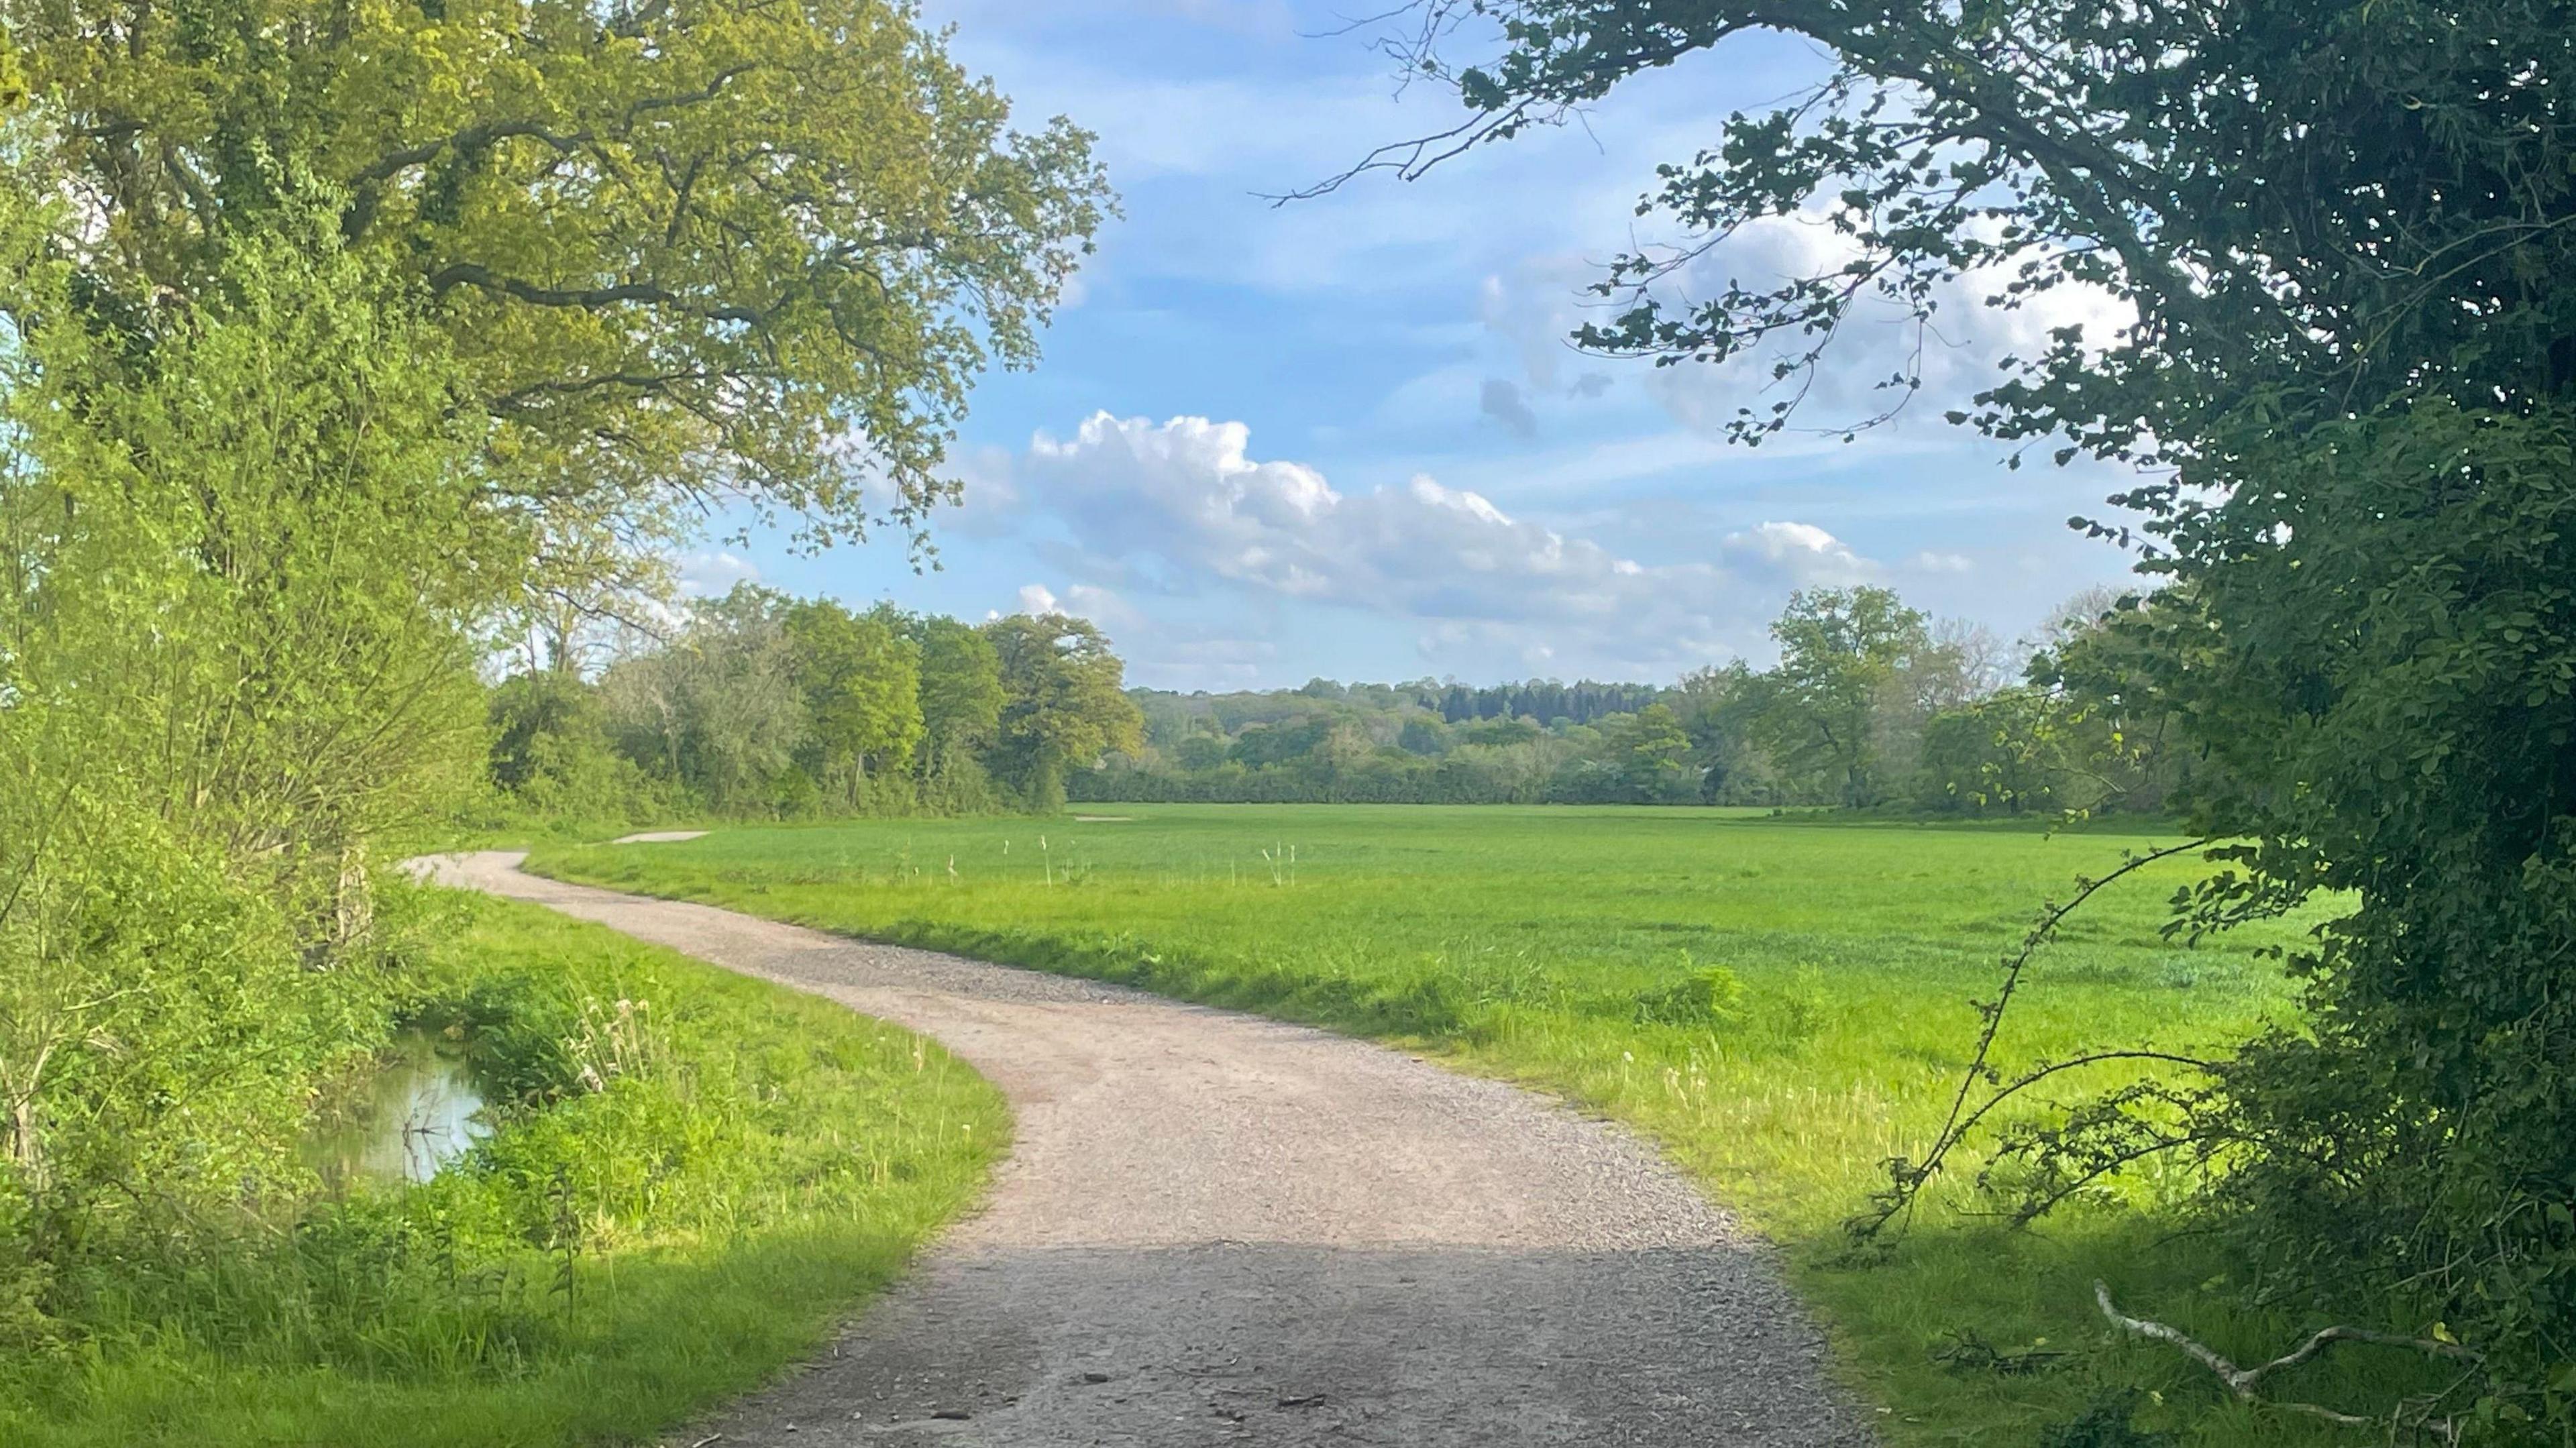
x=415 y=1115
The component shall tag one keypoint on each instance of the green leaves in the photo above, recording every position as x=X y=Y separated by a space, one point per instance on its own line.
x=1063 y=704
x=2344 y=230
x=695 y=250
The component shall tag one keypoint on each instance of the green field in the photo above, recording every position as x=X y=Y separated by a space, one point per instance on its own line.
x=1544 y=945
x=612 y=1261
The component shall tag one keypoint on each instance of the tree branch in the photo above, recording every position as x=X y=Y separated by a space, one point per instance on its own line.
x=2246 y=1383
x=475 y=274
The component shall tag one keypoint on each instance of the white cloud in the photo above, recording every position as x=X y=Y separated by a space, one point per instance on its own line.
x=1183 y=508
x=710 y=573
x=1929 y=561
x=1080 y=600
x=1538 y=304
x=1802 y=554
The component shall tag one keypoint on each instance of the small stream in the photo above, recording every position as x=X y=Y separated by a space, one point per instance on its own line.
x=419 y=1112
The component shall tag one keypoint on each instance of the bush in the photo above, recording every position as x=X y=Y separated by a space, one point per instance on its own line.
x=1710 y=997
x=668 y=1134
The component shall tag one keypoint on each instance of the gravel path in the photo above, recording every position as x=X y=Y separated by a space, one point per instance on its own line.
x=1216 y=1229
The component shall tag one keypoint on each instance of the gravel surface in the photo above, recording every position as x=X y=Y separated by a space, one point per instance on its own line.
x=1216 y=1229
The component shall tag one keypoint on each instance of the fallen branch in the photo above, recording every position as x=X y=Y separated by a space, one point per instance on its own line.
x=2246 y=1383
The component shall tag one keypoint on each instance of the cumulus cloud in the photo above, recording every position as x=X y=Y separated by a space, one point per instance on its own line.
x=1183 y=507
x=1081 y=600
x=1502 y=401
x=1801 y=554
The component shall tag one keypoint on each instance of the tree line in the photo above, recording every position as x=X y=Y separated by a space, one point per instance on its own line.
x=761 y=704
x=1872 y=705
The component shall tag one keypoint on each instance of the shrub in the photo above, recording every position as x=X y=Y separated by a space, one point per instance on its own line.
x=1711 y=996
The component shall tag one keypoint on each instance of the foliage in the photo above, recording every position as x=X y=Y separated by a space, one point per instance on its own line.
x=245 y=560
x=862 y=685
x=1910 y=717
x=762 y=705
x=339 y=348
x=1062 y=704
x=694 y=247
x=767 y=1159
x=720 y=709
x=1839 y=651
x=551 y=754
x=961 y=709
x=2395 y=717
x=1521 y=942
x=2341 y=230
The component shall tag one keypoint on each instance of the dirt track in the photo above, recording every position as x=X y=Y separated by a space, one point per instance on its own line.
x=1216 y=1229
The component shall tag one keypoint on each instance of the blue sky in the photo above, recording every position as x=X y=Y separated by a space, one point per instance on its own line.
x=1345 y=437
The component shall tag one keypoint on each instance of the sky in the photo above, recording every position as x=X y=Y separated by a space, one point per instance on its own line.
x=1346 y=436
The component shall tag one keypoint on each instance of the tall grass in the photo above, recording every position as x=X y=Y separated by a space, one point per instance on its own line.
x=1783 y=1002
x=694 y=1175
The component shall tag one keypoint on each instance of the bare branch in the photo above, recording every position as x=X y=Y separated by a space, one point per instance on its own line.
x=2246 y=1383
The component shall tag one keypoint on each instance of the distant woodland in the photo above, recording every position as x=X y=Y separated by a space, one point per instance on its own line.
x=1872 y=704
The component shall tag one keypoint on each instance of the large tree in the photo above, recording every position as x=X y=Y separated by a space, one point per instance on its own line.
x=862 y=683
x=1840 y=650
x=1062 y=702
x=2346 y=230
x=239 y=596
x=706 y=247
x=719 y=711
x=961 y=689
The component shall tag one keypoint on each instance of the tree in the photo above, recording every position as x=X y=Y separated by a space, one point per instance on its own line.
x=1994 y=755
x=1653 y=756
x=1424 y=734
x=1839 y=650
x=719 y=711
x=245 y=569
x=962 y=694
x=2342 y=231
x=862 y=685
x=703 y=247
x=1200 y=752
x=1062 y=702
x=552 y=755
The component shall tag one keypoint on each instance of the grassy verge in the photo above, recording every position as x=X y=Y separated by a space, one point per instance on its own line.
x=1575 y=949
x=694 y=1176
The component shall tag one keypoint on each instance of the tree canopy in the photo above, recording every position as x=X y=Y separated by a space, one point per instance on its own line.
x=703 y=248
x=1062 y=701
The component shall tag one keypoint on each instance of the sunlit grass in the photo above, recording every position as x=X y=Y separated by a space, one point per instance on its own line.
x=1522 y=942
x=777 y=1160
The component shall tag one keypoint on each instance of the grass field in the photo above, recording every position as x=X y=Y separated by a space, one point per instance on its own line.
x=750 y=1164
x=1546 y=945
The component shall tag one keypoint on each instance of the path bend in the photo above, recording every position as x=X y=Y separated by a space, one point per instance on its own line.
x=1218 y=1229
